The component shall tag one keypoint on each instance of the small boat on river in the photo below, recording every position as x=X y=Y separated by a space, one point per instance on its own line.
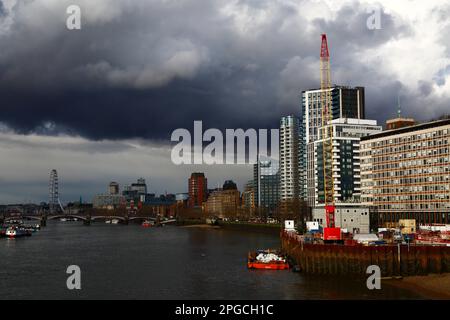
x=17 y=232
x=267 y=259
x=147 y=224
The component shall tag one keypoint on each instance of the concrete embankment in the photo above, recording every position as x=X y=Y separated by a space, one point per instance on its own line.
x=254 y=227
x=354 y=260
x=190 y=222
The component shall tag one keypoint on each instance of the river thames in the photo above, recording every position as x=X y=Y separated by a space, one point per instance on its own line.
x=131 y=262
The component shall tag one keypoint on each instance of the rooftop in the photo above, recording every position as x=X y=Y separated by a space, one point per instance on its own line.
x=417 y=127
x=354 y=121
x=400 y=119
x=335 y=86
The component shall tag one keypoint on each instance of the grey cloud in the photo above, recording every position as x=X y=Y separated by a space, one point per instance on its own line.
x=348 y=36
x=297 y=70
x=425 y=87
x=439 y=78
x=140 y=69
x=62 y=144
x=144 y=68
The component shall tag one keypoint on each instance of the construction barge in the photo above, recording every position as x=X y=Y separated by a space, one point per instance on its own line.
x=267 y=260
x=353 y=259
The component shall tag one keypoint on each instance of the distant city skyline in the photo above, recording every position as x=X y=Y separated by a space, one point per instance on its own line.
x=86 y=168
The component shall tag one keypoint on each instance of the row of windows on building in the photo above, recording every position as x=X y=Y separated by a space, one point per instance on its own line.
x=408 y=189
x=425 y=156
x=407 y=146
x=399 y=197
x=422 y=217
x=416 y=173
x=413 y=182
x=383 y=186
x=413 y=198
x=401 y=154
x=433 y=161
x=412 y=206
x=412 y=169
x=422 y=180
x=407 y=139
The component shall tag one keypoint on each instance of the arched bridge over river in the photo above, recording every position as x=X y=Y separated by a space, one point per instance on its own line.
x=86 y=218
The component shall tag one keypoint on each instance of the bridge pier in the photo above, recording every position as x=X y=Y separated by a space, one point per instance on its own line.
x=126 y=221
x=43 y=222
x=87 y=222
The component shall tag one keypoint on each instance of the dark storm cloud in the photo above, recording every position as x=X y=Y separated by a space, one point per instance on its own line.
x=425 y=87
x=146 y=68
x=439 y=78
x=349 y=28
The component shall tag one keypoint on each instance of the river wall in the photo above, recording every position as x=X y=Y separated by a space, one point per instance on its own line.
x=251 y=227
x=393 y=260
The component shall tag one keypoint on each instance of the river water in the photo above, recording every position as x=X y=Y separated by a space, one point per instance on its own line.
x=131 y=262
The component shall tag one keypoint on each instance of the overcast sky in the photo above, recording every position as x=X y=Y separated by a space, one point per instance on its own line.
x=100 y=103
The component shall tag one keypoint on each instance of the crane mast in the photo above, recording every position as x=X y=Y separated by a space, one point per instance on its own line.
x=327 y=133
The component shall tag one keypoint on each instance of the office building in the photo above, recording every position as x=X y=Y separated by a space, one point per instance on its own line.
x=266 y=177
x=405 y=173
x=137 y=191
x=111 y=200
x=224 y=203
x=108 y=201
x=165 y=205
x=248 y=196
x=140 y=186
x=113 y=188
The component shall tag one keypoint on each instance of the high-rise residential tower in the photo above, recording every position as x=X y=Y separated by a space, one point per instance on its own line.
x=345 y=159
x=346 y=102
x=198 y=186
x=289 y=158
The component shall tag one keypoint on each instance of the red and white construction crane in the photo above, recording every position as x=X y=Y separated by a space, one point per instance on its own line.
x=330 y=232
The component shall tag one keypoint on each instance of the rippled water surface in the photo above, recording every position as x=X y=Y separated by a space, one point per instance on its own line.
x=131 y=262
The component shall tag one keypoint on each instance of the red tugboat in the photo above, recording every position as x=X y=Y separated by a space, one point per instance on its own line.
x=267 y=259
x=147 y=224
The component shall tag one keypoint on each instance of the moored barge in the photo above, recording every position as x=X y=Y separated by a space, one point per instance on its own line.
x=267 y=260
